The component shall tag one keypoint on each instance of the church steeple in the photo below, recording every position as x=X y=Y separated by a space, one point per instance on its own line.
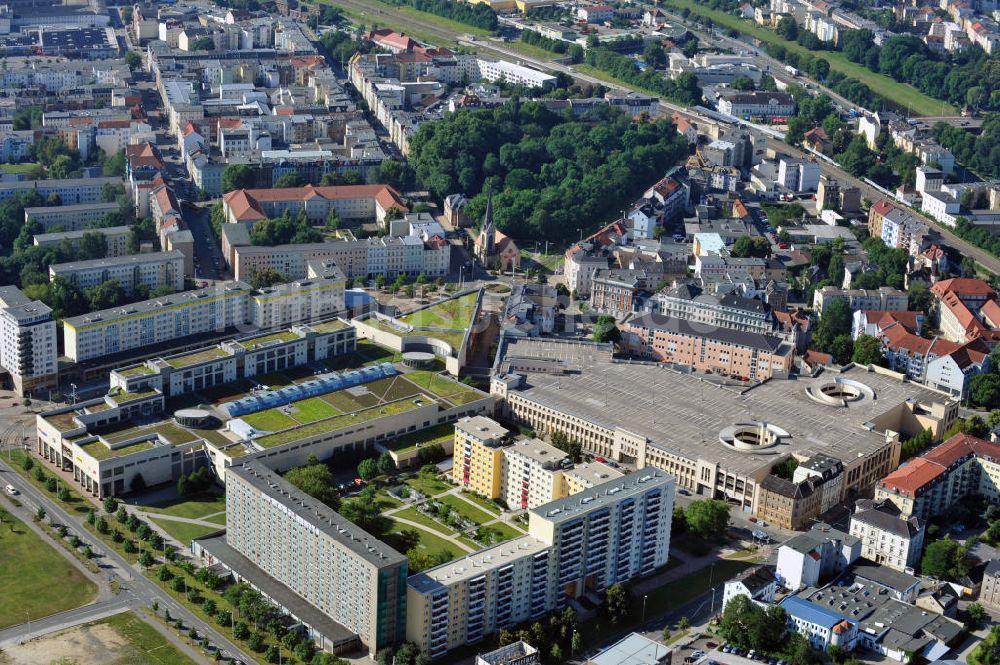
x=489 y=232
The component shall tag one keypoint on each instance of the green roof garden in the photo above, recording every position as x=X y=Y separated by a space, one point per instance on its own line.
x=454 y=314
x=329 y=326
x=100 y=451
x=171 y=432
x=196 y=358
x=255 y=342
x=125 y=397
x=439 y=434
x=135 y=370
x=337 y=422
x=63 y=421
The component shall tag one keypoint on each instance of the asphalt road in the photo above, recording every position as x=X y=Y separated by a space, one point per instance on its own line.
x=136 y=589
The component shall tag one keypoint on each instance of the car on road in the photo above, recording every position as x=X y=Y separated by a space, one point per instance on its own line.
x=10 y=489
x=683 y=492
x=698 y=654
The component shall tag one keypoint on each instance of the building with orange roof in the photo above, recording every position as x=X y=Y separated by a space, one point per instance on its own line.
x=960 y=302
x=928 y=486
x=357 y=202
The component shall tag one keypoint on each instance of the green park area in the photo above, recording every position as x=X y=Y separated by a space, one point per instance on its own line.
x=466 y=510
x=895 y=92
x=192 y=508
x=183 y=532
x=37 y=581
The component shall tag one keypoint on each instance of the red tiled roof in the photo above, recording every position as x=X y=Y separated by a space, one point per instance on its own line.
x=991 y=313
x=883 y=207
x=393 y=40
x=959 y=446
x=74 y=122
x=912 y=477
x=883 y=319
x=143 y=155
x=963 y=286
x=114 y=124
x=245 y=203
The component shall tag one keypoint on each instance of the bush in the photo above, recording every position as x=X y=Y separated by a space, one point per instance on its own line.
x=27 y=463
x=240 y=630
x=256 y=641
x=178 y=584
x=111 y=505
x=164 y=574
x=51 y=485
x=39 y=474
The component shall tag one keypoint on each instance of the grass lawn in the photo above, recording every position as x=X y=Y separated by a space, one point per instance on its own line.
x=219 y=519
x=382 y=500
x=145 y=643
x=270 y=420
x=313 y=409
x=437 y=434
x=183 y=532
x=532 y=50
x=897 y=93
x=36 y=580
x=429 y=542
x=454 y=314
x=190 y=508
x=485 y=504
x=467 y=511
x=415 y=515
x=387 y=18
x=76 y=502
x=507 y=530
x=428 y=485
x=19 y=168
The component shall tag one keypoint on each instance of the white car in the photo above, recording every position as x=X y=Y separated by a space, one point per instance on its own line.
x=10 y=489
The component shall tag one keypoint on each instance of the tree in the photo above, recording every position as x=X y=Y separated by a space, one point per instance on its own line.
x=750 y=626
x=977 y=614
x=787 y=28
x=367 y=469
x=93 y=246
x=606 y=329
x=654 y=56
x=133 y=60
x=984 y=390
x=332 y=220
x=240 y=630
x=264 y=277
x=616 y=602
x=237 y=176
x=944 y=559
x=292 y=179
x=384 y=464
x=316 y=481
x=835 y=321
x=396 y=174
x=708 y=518
x=841 y=348
x=146 y=559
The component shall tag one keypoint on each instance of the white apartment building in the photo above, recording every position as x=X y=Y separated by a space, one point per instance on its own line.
x=532 y=473
x=154 y=270
x=71 y=191
x=494 y=70
x=758 y=584
x=305 y=300
x=885 y=298
x=818 y=554
x=69 y=217
x=116 y=238
x=584 y=543
x=28 y=349
x=887 y=538
x=158 y=321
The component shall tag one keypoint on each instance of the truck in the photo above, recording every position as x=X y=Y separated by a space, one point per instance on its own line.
x=791 y=70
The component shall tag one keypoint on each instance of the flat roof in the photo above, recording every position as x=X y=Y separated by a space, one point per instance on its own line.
x=60 y=235
x=684 y=414
x=135 y=259
x=317 y=514
x=475 y=564
x=481 y=427
x=598 y=496
x=538 y=451
x=155 y=305
x=634 y=649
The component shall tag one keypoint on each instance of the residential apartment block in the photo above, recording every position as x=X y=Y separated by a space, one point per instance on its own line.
x=524 y=473
x=757 y=104
x=158 y=321
x=758 y=584
x=28 y=347
x=277 y=534
x=71 y=191
x=887 y=538
x=115 y=238
x=967 y=309
x=580 y=544
x=815 y=557
x=748 y=355
x=153 y=270
x=364 y=202
x=885 y=298
x=69 y=217
x=927 y=486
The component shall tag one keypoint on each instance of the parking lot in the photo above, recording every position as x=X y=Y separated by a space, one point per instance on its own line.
x=708 y=652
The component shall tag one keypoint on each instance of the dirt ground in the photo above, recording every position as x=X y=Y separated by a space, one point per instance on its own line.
x=99 y=644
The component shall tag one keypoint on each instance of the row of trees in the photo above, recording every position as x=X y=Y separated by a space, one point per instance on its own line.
x=683 y=90
x=478 y=16
x=284 y=230
x=547 y=172
x=574 y=51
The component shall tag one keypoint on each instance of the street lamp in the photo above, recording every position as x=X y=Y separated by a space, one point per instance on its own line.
x=644 y=607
